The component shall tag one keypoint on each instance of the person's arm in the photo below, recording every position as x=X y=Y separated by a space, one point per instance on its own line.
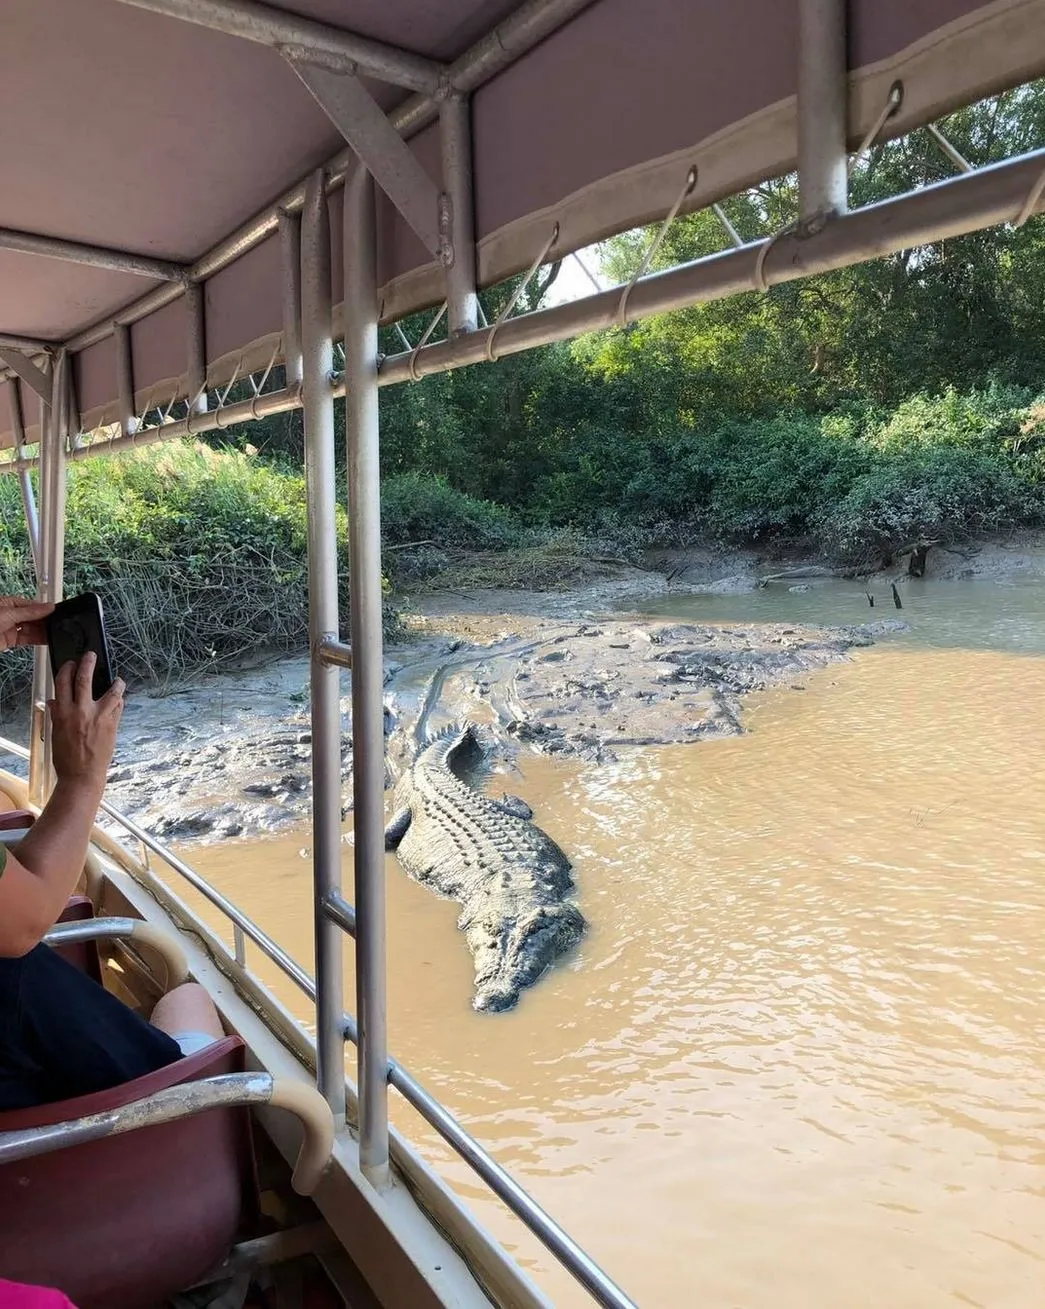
x=37 y=882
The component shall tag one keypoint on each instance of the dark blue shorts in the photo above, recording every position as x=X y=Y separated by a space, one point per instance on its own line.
x=63 y=1035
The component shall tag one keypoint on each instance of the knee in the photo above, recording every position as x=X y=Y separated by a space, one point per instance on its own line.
x=188 y=1008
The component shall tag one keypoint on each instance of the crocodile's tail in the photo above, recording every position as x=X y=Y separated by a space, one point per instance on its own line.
x=458 y=745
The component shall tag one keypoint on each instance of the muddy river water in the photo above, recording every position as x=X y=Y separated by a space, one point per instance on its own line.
x=799 y=1061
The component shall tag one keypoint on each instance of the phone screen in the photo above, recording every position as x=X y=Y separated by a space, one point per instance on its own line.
x=75 y=627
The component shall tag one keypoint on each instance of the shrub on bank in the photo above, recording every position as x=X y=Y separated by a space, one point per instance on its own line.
x=857 y=484
x=420 y=508
x=200 y=557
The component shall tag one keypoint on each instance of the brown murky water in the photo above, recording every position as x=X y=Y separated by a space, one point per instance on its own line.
x=800 y=1060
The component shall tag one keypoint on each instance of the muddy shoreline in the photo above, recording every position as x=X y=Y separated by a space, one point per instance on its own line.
x=560 y=672
x=230 y=758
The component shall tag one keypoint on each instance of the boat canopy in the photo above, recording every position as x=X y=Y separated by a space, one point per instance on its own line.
x=154 y=149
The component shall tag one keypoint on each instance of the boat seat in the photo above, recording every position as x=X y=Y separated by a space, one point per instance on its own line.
x=127 y=1221
x=81 y=954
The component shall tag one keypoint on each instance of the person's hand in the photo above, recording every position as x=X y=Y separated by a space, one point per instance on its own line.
x=83 y=730
x=22 y=621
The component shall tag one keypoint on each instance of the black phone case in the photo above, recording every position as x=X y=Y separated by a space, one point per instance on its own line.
x=75 y=627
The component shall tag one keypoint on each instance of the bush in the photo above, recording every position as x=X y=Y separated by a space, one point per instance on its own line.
x=200 y=557
x=941 y=494
x=418 y=507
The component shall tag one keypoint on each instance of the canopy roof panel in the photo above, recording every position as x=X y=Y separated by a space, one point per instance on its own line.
x=144 y=133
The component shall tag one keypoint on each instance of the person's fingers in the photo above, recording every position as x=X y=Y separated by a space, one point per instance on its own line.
x=23 y=611
x=31 y=633
x=84 y=677
x=112 y=701
x=63 y=682
x=8 y=602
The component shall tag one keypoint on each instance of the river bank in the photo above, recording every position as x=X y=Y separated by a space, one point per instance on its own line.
x=572 y=576
x=230 y=758
x=578 y=671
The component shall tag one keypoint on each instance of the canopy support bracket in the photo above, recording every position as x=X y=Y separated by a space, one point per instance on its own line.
x=35 y=378
x=383 y=152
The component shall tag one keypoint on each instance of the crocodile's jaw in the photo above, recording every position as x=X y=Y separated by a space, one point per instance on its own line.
x=509 y=960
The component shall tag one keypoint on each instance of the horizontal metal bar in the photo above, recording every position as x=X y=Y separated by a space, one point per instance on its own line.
x=339 y=911
x=26 y=343
x=95 y=256
x=307 y=37
x=336 y=652
x=528 y=26
x=91 y=929
x=958 y=205
x=167 y=1106
x=260 y=406
x=262 y=940
x=142 y=934
x=579 y=1264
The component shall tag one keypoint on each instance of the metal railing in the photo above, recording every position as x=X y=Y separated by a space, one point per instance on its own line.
x=337 y=910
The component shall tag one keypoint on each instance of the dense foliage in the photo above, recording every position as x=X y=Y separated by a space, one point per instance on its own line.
x=857 y=410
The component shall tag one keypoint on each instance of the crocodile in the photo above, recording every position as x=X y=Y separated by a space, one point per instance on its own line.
x=511 y=879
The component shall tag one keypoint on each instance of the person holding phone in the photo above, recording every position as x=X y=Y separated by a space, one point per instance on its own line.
x=61 y=1034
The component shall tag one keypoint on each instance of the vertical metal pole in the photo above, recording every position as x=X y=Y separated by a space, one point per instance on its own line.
x=197 y=348
x=125 y=379
x=54 y=430
x=25 y=482
x=368 y=720
x=822 y=106
x=325 y=680
x=290 y=256
x=457 y=214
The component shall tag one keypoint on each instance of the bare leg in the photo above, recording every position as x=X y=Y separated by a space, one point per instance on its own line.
x=188 y=1008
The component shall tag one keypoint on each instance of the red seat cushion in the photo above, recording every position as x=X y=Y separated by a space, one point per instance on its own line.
x=126 y=1222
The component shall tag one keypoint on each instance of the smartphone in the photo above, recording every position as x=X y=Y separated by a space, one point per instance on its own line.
x=76 y=627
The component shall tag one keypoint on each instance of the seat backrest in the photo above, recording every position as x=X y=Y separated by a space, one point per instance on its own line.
x=126 y=1222
x=81 y=954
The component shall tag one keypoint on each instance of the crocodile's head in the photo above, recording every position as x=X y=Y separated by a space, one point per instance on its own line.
x=515 y=957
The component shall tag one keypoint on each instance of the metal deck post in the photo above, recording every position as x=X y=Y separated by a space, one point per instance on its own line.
x=325 y=679
x=54 y=431
x=368 y=721
x=823 y=166
x=125 y=379
x=456 y=218
x=290 y=257
x=25 y=481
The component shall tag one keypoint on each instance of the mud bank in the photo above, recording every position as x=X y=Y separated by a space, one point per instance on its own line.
x=231 y=757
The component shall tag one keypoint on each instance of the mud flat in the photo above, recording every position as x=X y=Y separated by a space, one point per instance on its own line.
x=230 y=758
